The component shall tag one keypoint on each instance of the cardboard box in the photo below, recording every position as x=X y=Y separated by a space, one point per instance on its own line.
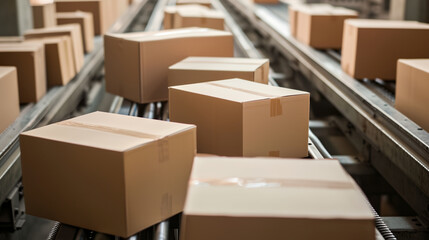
x=206 y=3
x=205 y=69
x=170 y=12
x=132 y=171
x=59 y=59
x=412 y=85
x=15 y=39
x=293 y=10
x=86 y=23
x=9 y=97
x=43 y=14
x=98 y=8
x=371 y=48
x=136 y=64
x=274 y=199
x=29 y=59
x=322 y=27
x=71 y=30
x=122 y=6
x=205 y=18
x=236 y=117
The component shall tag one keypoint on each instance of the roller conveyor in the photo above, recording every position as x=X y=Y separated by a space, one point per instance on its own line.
x=367 y=105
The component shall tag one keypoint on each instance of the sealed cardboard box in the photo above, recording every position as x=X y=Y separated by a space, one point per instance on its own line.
x=170 y=12
x=136 y=64
x=236 y=117
x=205 y=69
x=371 y=48
x=59 y=59
x=322 y=27
x=9 y=97
x=206 y=3
x=205 y=18
x=71 y=30
x=85 y=21
x=98 y=8
x=274 y=199
x=132 y=171
x=412 y=85
x=43 y=13
x=29 y=60
x=293 y=14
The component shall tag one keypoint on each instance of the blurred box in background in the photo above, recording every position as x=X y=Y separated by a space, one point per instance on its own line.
x=9 y=97
x=205 y=18
x=412 y=85
x=86 y=22
x=170 y=12
x=29 y=60
x=43 y=13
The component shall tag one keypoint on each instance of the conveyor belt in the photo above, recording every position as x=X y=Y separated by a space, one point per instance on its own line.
x=397 y=147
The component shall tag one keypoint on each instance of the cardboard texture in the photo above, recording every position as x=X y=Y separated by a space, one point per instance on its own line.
x=412 y=84
x=371 y=48
x=170 y=12
x=29 y=59
x=59 y=59
x=132 y=171
x=293 y=14
x=206 y=3
x=86 y=22
x=43 y=14
x=98 y=8
x=205 y=69
x=71 y=30
x=205 y=18
x=322 y=27
x=9 y=97
x=266 y=198
x=236 y=117
x=136 y=64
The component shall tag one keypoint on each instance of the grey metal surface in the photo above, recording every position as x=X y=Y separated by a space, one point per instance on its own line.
x=16 y=17
x=404 y=143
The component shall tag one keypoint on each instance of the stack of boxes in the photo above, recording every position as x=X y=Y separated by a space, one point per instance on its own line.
x=52 y=53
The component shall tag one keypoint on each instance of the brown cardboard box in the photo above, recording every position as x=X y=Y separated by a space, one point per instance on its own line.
x=98 y=8
x=43 y=14
x=293 y=14
x=136 y=64
x=86 y=23
x=59 y=59
x=205 y=69
x=9 y=97
x=133 y=172
x=206 y=3
x=170 y=12
x=236 y=117
x=122 y=6
x=71 y=30
x=29 y=59
x=321 y=27
x=205 y=18
x=268 y=198
x=371 y=48
x=12 y=39
x=412 y=85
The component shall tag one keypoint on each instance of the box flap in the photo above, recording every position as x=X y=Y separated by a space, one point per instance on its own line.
x=220 y=64
x=108 y=131
x=21 y=47
x=373 y=23
x=59 y=28
x=170 y=34
x=238 y=90
x=269 y=187
x=72 y=15
x=421 y=64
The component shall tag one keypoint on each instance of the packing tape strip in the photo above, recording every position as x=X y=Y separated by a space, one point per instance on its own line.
x=163 y=143
x=166 y=205
x=271 y=183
